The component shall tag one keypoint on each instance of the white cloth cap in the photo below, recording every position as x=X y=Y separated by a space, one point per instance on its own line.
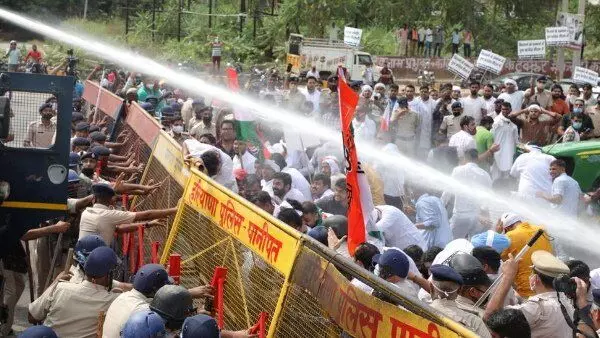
x=510 y=81
x=379 y=85
x=273 y=165
x=534 y=107
x=277 y=148
x=366 y=88
x=508 y=219
x=455 y=88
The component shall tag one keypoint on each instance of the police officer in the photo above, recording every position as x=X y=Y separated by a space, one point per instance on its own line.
x=143 y=323
x=71 y=309
x=81 y=252
x=200 y=326
x=544 y=310
x=446 y=283
x=149 y=279
x=476 y=281
x=174 y=304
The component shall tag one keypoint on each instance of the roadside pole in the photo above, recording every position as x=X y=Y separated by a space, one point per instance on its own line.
x=577 y=53
x=561 y=50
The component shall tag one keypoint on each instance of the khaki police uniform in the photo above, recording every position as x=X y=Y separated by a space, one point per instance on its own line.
x=102 y=221
x=466 y=304
x=451 y=125
x=121 y=309
x=543 y=311
x=407 y=126
x=40 y=135
x=471 y=321
x=72 y=310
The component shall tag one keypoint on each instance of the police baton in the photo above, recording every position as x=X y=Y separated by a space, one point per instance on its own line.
x=527 y=246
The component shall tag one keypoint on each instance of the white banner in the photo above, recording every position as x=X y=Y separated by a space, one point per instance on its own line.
x=532 y=49
x=575 y=24
x=557 y=36
x=490 y=61
x=352 y=36
x=460 y=66
x=584 y=75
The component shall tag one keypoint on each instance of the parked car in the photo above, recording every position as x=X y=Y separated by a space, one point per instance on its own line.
x=523 y=80
x=583 y=161
x=566 y=83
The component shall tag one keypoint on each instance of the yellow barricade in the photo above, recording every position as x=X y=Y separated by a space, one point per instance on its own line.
x=273 y=268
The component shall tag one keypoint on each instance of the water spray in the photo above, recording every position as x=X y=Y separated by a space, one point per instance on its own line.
x=568 y=229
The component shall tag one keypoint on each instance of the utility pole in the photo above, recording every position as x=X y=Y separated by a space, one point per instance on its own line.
x=153 y=18
x=85 y=7
x=241 y=17
x=179 y=9
x=561 y=50
x=577 y=53
x=210 y=5
x=126 y=19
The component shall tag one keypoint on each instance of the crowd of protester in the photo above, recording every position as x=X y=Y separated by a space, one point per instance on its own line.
x=444 y=248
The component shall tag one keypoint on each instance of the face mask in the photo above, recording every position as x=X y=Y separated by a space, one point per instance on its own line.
x=89 y=172
x=177 y=129
x=577 y=110
x=577 y=125
x=532 y=282
x=455 y=113
x=47 y=116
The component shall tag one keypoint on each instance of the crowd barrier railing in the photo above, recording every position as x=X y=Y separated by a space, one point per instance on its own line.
x=302 y=285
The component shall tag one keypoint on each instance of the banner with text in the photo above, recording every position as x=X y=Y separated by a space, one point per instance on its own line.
x=574 y=22
x=584 y=75
x=352 y=36
x=557 y=36
x=490 y=61
x=531 y=49
x=250 y=228
x=460 y=66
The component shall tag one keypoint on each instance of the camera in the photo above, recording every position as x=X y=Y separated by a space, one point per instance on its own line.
x=566 y=285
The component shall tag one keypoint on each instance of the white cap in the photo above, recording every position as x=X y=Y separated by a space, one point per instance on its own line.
x=508 y=219
x=272 y=165
x=510 y=81
x=455 y=88
x=534 y=107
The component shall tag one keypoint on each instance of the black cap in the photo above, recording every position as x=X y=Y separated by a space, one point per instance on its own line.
x=98 y=136
x=80 y=141
x=44 y=106
x=103 y=189
x=89 y=155
x=542 y=78
x=444 y=273
x=457 y=104
x=498 y=101
x=82 y=126
x=100 y=151
x=77 y=116
x=470 y=269
x=94 y=128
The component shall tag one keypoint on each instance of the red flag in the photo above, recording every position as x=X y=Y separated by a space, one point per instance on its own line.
x=356 y=225
x=232 y=80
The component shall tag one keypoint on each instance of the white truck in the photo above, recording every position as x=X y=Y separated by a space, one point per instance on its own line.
x=326 y=56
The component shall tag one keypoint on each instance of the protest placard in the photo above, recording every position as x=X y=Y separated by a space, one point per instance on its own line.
x=352 y=36
x=490 y=61
x=584 y=75
x=557 y=36
x=460 y=66
x=531 y=49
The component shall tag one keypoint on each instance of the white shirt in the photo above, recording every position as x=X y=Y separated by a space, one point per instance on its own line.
x=365 y=130
x=532 y=170
x=246 y=162
x=121 y=309
x=299 y=182
x=294 y=194
x=428 y=35
x=426 y=122
x=398 y=230
x=464 y=204
x=392 y=176
x=225 y=174
x=299 y=160
x=506 y=134
x=515 y=99
x=565 y=186
x=313 y=97
x=473 y=107
x=325 y=193
x=463 y=141
x=102 y=221
x=490 y=106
